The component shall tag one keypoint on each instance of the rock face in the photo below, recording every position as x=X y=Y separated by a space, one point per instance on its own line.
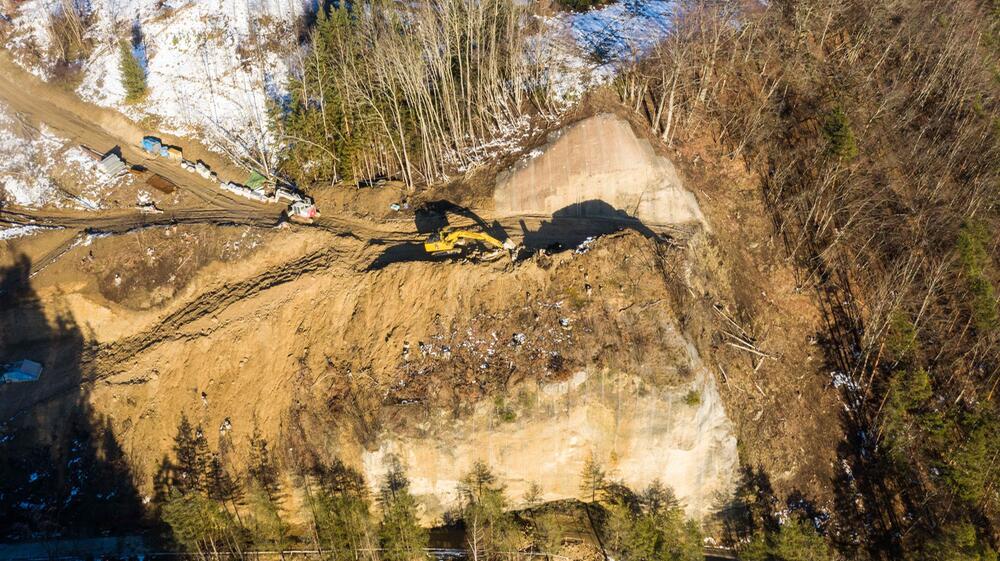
x=637 y=432
x=598 y=167
x=666 y=423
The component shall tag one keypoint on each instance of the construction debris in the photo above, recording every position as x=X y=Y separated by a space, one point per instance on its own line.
x=300 y=209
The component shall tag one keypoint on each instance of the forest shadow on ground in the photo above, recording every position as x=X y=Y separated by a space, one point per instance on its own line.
x=62 y=472
x=755 y=509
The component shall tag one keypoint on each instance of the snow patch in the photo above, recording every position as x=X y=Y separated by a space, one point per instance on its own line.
x=585 y=50
x=33 y=163
x=21 y=231
x=212 y=66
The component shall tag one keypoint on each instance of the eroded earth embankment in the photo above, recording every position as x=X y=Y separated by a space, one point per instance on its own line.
x=533 y=367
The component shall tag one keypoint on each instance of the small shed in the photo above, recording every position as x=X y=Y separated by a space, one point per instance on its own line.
x=152 y=145
x=111 y=165
x=175 y=153
x=21 y=371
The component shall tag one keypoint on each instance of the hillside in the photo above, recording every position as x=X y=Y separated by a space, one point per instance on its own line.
x=724 y=284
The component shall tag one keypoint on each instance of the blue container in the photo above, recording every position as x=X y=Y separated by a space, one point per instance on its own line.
x=153 y=145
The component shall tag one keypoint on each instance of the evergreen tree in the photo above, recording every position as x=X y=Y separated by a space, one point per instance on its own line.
x=199 y=524
x=191 y=449
x=968 y=469
x=973 y=243
x=220 y=485
x=197 y=487
x=489 y=529
x=650 y=526
x=320 y=130
x=793 y=541
x=262 y=470
x=267 y=529
x=592 y=480
x=341 y=512
x=400 y=534
x=957 y=542
x=132 y=73
x=839 y=136
x=533 y=495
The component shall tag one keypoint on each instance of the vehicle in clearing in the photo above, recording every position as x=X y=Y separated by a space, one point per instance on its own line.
x=156 y=148
x=303 y=211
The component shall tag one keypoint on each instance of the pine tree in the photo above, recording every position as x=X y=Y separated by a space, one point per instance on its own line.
x=793 y=541
x=532 y=495
x=957 y=542
x=132 y=73
x=191 y=450
x=973 y=243
x=262 y=470
x=592 y=480
x=267 y=529
x=400 y=534
x=839 y=136
x=342 y=522
x=221 y=486
x=341 y=511
x=650 y=526
x=971 y=462
x=489 y=528
x=198 y=523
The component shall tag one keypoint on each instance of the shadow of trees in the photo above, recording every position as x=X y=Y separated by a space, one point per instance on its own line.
x=755 y=519
x=62 y=472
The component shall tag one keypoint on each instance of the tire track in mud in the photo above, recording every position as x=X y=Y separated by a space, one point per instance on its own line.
x=170 y=327
x=101 y=361
x=116 y=223
x=40 y=264
x=124 y=222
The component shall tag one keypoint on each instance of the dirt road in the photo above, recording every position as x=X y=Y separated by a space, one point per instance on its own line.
x=38 y=103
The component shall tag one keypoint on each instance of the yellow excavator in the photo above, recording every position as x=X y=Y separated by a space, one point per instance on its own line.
x=449 y=241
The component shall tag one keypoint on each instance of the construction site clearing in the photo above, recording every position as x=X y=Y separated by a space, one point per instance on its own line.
x=257 y=188
x=373 y=331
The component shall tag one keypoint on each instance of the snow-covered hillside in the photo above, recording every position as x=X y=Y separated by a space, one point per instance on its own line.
x=211 y=64
x=39 y=168
x=587 y=49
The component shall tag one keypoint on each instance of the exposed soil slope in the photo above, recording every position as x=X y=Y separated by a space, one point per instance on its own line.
x=598 y=167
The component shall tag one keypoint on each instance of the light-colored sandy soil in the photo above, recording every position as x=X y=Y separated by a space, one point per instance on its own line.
x=598 y=167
